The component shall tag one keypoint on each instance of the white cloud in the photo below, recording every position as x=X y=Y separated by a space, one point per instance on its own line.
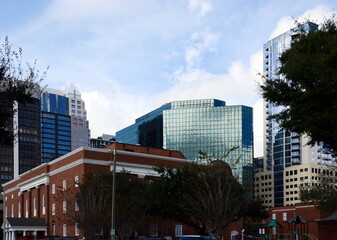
x=202 y=6
x=315 y=15
x=197 y=45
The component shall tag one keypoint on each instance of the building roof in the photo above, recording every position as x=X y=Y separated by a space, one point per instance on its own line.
x=333 y=217
x=23 y=222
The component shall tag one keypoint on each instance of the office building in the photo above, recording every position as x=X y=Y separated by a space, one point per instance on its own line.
x=102 y=141
x=207 y=125
x=24 y=153
x=80 y=132
x=284 y=149
x=55 y=126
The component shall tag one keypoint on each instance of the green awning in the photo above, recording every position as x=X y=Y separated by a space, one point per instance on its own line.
x=274 y=223
x=297 y=219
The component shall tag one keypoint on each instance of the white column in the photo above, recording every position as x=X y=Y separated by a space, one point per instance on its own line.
x=13 y=235
x=16 y=141
x=24 y=233
x=6 y=233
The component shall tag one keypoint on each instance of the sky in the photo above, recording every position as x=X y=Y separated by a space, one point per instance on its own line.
x=128 y=57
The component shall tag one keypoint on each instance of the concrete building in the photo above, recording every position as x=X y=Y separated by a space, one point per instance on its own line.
x=102 y=141
x=80 y=132
x=192 y=125
x=284 y=149
x=31 y=197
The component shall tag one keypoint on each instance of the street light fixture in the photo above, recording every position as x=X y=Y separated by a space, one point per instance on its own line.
x=113 y=170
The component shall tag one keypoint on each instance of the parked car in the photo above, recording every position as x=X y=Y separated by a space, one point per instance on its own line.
x=196 y=237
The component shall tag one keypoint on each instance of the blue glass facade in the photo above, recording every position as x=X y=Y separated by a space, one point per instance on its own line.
x=282 y=148
x=146 y=130
x=189 y=126
x=55 y=126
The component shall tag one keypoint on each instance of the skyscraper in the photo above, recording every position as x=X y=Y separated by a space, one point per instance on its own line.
x=207 y=125
x=80 y=133
x=283 y=148
x=55 y=124
x=24 y=153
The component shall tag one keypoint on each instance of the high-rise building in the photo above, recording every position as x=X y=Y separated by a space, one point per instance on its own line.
x=55 y=125
x=80 y=133
x=24 y=154
x=284 y=149
x=207 y=125
x=102 y=141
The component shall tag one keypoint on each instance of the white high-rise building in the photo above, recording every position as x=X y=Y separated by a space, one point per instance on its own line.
x=284 y=149
x=80 y=132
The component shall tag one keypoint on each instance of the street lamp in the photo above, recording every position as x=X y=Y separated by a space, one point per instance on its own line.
x=113 y=170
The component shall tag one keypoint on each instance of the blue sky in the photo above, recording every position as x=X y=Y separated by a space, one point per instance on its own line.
x=128 y=57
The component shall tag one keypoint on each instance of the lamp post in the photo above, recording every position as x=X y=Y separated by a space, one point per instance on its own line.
x=113 y=169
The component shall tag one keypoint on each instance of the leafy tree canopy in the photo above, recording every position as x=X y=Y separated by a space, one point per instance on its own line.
x=16 y=85
x=307 y=87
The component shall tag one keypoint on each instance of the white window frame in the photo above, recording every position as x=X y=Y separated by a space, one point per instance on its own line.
x=178 y=230
x=76 y=181
x=53 y=188
x=44 y=204
x=64 y=228
x=53 y=209
x=64 y=185
x=274 y=216
x=12 y=210
x=64 y=206
x=284 y=216
x=34 y=206
x=77 y=230
x=27 y=208
x=76 y=207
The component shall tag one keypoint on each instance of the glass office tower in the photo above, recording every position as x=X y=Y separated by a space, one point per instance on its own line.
x=282 y=148
x=56 y=125
x=212 y=127
x=207 y=125
x=146 y=131
x=24 y=154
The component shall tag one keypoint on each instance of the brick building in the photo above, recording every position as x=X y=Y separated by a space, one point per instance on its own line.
x=303 y=220
x=31 y=196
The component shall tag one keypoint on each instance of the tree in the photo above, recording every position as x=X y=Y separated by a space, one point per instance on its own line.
x=206 y=197
x=307 y=87
x=324 y=192
x=89 y=204
x=16 y=85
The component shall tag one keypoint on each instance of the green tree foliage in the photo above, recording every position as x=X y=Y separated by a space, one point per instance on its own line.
x=16 y=85
x=324 y=193
x=308 y=85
